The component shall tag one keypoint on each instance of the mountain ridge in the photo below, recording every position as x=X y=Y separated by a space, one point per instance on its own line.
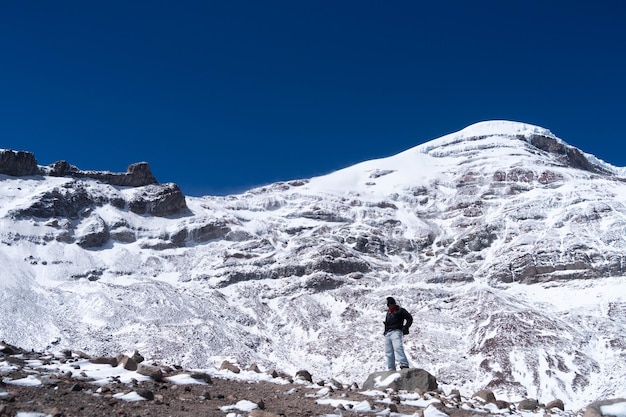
x=453 y=226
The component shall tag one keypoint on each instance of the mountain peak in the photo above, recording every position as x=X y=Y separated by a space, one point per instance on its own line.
x=503 y=127
x=487 y=147
x=490 y=134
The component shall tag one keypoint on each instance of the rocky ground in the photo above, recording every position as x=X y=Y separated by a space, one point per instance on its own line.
x=39 y=385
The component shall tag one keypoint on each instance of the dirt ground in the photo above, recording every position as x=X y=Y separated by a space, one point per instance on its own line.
x=61 y=395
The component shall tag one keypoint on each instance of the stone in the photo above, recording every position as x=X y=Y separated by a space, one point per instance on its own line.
x=304 y=375
x=486 y=396
x=230 y=367
x=528 y=404
x=455 y=395
x=501 y=404
x=411 y=380
x=254 y=368
x=338 y=385
x=146 y=393
x=151 y=371
x=136 y=356
x=556 y=404
x=201 y=376
x=104 y=360
x=127 y=362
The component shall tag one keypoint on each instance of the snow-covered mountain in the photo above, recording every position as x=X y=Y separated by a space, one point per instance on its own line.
x=507 y=245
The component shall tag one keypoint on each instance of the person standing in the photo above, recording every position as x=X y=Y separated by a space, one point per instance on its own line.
x=397 y=323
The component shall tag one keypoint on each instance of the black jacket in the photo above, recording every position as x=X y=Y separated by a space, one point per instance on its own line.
x=400 y=319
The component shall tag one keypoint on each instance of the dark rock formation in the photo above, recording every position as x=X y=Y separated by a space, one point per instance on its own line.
x=67 y=201
x=136 y=175
x=18 y=163
x=95 y=234
x=213 y=229
x=158 y=200
x=572 y=157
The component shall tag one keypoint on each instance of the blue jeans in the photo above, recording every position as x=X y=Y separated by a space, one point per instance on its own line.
x=394 y=350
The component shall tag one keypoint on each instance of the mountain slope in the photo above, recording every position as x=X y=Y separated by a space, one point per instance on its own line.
x=506 y=243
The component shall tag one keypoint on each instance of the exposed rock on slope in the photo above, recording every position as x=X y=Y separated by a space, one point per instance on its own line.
x=17 y=163
x=136 y=175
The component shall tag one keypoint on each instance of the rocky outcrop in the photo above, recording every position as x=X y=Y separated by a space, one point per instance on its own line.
x=136 y=175
x=411 y=380
x=94 y=234
x=22 y=163
x=198 y=233
x=18 y=163
x=158 y=200
x=572 y=157
x=68 y=201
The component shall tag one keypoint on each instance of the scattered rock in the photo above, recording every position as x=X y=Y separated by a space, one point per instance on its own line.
x=104 y=360
x=146 y=393
x=501 y=404
x=201 y=376
x=528 y=404
x=151 y=371
x=485 y=395
x=254 y=368
x=556 y=404
x=8 y=349
x=137 y=357
x=126 y=362
x=304 y=375
x=230 y=367
x=455 y=395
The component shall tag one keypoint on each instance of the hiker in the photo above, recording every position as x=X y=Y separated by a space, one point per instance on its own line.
x=397 y=323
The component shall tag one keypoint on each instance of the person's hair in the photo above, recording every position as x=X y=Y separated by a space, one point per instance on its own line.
x=391 y=301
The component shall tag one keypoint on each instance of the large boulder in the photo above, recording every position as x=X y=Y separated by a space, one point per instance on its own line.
x=18 y=163
x=411 y=380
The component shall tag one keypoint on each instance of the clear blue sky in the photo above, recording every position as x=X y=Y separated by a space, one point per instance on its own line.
x=222 y=96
